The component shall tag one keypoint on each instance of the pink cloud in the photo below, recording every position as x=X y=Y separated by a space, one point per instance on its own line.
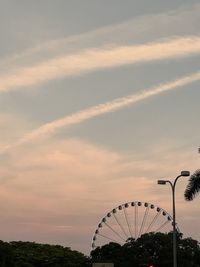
x=58 y=192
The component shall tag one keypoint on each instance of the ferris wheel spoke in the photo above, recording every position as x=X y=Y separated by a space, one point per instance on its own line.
x=144 y=220
x=107 y=237
x=162 y=226
x=136 y=221
x=127 y=221
x=131 y=219
x=153 y=221
x=114 y=231
x=120 y=225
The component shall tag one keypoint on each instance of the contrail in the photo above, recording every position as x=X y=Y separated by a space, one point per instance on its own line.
x=89 y=113
x=96 y=59
x=143 y=28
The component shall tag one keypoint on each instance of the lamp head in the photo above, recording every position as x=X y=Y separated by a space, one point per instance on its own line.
x=185 y=173
x=162 y=182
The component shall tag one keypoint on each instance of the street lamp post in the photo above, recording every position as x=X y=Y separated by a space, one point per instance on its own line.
x=173 y=185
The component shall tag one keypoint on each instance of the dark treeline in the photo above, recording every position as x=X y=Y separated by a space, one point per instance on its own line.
x=29 y=254
x=150 y=250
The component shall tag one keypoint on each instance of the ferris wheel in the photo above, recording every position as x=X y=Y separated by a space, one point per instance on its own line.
x=131 y=220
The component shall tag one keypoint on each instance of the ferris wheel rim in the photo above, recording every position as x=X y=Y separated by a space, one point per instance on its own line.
x=123 y=207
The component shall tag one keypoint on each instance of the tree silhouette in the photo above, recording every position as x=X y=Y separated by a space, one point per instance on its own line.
x=30 y=254
x=151 y=249
x=193 y=187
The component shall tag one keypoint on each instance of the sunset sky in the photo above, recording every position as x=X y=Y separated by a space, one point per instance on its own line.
x=98 y=100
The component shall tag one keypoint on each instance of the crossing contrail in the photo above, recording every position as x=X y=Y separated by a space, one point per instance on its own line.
x=50 y=128
x=96 y=59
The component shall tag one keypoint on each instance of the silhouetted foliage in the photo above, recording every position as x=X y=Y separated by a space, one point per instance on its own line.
x=193 y=187
x=149 y=249
x=29 y=254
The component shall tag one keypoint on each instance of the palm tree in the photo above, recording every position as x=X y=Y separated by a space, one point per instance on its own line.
x=193 y=187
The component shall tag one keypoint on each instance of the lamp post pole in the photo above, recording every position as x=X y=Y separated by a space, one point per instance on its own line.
x=173 y=186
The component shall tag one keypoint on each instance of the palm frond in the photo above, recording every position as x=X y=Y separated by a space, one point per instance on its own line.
x=193 y=187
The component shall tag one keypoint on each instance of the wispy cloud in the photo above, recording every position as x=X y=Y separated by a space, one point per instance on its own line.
x=34 y=181
x=42 y=181
x=92 y=60
x=76 y=118
x=142 y=29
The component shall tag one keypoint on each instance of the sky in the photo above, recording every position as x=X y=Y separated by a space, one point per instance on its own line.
x=98 y=100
